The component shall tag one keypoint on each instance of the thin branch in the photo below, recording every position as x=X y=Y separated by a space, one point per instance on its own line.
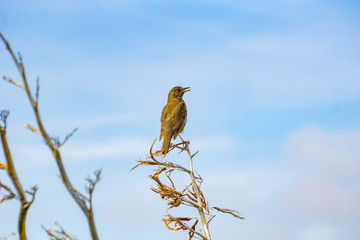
x=92 y=183
x=3 y=116
x=10 y=236
x=67 y=137
x=3 y=166
x=32 y=193
x=11 y=81
x=31 y=128
x=57 y=232
x=37 y=92
x=18 y=63
x=10 y=194
x=192 y=156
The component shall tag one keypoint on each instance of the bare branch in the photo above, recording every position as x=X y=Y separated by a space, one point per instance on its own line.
x=31 y=128
x=3 y=166
x=57 y=232
x=17 y=62
x=55 y=142
x=68 y=136
x=10 y=236
x=3 y=116
x=10 y=194
x=92 y=183
x=192 y=156
x=11 y=81
x=37 y=92
x=32 y=193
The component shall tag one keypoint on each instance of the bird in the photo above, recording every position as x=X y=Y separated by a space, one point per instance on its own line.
x=173 y=117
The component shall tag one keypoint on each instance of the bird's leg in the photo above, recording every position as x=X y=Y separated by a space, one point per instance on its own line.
x=185 y=143
x=182 y=146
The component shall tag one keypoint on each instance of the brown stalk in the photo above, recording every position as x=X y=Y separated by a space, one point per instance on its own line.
x=198 y=195
x=25 y=204
x=54 y=144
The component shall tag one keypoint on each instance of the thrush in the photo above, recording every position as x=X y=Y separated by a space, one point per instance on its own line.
x=173 y=117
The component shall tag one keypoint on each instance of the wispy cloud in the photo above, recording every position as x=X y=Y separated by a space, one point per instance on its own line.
x=336 y=153
x=115 y=148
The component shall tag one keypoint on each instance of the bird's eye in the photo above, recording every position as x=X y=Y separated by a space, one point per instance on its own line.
x=178 y=89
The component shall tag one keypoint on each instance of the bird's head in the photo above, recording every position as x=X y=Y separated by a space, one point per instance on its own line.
x=178 y=92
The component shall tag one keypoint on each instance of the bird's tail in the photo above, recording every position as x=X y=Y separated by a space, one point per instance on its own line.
x=166 y=145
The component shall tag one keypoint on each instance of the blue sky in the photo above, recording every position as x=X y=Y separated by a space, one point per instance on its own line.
x=274 y=111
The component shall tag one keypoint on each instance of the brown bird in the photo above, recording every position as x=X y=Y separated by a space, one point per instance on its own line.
x=173 y=117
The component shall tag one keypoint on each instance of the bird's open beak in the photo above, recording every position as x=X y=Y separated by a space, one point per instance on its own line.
x=187 y=89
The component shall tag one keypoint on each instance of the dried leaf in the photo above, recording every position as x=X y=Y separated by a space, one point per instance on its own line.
x=229 y=211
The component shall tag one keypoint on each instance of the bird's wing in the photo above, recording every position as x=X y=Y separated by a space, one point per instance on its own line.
x=164 y=116
x=180 y=121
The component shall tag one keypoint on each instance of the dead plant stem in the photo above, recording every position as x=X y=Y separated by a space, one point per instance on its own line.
x=197 y=191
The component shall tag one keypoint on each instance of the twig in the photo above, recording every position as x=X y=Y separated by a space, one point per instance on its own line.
x=67 y=137
x=11 y=81
x=37 y=92
x=31 y=128
x=10 y=194
x=57 y=232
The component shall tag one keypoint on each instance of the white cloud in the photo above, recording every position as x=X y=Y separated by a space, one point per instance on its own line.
x=334 y=152
x=322 y=198
x=320 y=232
x=326 y=166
